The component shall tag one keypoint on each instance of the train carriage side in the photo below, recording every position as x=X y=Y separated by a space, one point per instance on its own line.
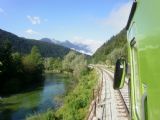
x=143 y=33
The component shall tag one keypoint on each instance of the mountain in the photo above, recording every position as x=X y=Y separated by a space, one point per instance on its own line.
x=82 y=48
x=46 y=40
x=50 y=40
x=23 y=45
x=78 y=47
x=112 y=49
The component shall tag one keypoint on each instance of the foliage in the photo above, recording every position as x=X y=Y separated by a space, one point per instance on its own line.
x=17 y=72
x=79 y=65
x=53 y=64
x=5 y=58
x=67 y=62
x=6 y=68
x=33 y=62
x=115 y=47
x=49 y=115
x=75 y=63
x=77 y=102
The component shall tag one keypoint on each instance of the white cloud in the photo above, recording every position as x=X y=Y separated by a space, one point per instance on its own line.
x=31 y=32
x=82 y=51
x=34 y=19
x=92 y=44
x=117 y=18
x=1 y=10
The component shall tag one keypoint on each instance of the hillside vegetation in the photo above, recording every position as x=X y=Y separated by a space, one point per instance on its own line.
x=115 y=47
x=24 y=46
x=18 y=72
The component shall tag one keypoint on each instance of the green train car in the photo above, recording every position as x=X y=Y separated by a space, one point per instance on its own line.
x=143 y=34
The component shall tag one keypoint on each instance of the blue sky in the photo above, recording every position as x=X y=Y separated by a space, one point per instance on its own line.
x=89 y=22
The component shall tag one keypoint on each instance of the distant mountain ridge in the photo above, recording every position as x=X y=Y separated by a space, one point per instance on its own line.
x=46 y=40
x=23 y=45
x=74 y=46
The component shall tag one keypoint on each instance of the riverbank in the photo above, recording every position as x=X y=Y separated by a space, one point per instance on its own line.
x=76 y=102
x=53 y=71
x=58 y=72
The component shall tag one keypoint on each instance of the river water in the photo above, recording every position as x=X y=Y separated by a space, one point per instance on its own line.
x=18 y=106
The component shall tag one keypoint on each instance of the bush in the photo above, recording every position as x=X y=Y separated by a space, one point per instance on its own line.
x=76 y=104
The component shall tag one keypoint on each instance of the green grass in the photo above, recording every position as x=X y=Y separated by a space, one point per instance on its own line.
x=49 y=115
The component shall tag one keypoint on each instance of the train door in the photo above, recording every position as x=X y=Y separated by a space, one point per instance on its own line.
x=135 y=81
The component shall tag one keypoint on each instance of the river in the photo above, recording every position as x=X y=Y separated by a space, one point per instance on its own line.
x=18 y=106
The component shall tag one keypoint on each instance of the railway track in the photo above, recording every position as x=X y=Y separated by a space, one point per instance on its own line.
x=122 y=110
x=113 y=104
x=121 y=98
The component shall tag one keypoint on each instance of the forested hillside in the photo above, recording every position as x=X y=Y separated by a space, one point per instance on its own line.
x=115 y=47
x=24 y=46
